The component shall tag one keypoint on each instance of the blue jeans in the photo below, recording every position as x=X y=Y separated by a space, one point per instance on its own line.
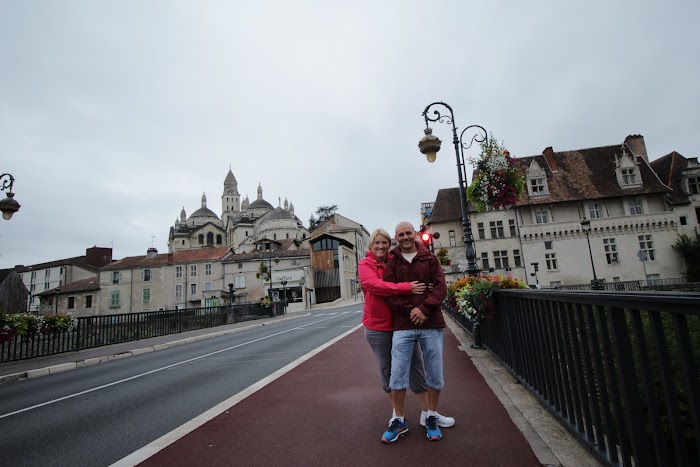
x=380 y=342
x=402 y=348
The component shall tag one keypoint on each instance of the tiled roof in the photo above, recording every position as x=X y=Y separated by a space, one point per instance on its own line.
x=447 y=207
x=183 y=256
x=84 y=285
x=80 y=261
x=587 y=174
x=670 y=168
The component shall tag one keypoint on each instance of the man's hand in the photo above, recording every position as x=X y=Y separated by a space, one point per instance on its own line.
x=417 y=317
x=417 y=288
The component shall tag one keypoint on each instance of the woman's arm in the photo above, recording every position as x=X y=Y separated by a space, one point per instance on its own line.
x=372 y=282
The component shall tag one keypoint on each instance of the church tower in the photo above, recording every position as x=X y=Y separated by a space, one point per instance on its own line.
x=231 y=199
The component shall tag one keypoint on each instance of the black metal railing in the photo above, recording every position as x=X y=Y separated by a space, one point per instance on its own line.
x=97 y=331
x=620 y=370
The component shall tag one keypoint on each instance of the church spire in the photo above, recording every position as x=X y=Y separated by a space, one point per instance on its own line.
x=204 y=200
x=259 y=191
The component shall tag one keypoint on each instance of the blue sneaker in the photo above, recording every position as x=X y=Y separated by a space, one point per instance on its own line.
x=396 y=428
x=432 y=430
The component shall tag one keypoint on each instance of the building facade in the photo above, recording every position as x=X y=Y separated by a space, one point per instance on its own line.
x=609 y=197
x=242 y=223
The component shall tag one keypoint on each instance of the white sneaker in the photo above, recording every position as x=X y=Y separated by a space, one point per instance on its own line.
x=443 y=420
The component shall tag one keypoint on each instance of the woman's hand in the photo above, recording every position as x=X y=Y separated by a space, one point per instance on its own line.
x=417 y=288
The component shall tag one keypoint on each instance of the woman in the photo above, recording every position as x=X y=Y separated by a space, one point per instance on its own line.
x=377 y=320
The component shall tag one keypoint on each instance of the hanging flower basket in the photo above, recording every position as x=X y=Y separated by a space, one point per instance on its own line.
x=497 y=182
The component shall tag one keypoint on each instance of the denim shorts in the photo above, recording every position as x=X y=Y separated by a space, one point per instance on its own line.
x=380 y=342
x=402 y=348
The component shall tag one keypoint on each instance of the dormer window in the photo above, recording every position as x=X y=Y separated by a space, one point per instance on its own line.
x=694 y=185
x=629 y=176
x=627 y=171
x=536 y=180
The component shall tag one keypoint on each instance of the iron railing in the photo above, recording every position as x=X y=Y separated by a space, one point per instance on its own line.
x=620 y=370
x=97 y=331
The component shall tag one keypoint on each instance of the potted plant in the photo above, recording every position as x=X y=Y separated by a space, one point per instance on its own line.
x=475 y=298
x=442 y=256
x=497 y=181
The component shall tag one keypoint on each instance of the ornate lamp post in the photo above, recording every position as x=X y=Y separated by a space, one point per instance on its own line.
x=269 y=271
x=595 y=283
x=58 y=289
x=231 y=296
x=8 y=206
x=284 y=294
x=430 y=145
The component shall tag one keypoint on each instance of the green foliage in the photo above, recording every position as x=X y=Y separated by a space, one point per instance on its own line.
x=473 y=295
x=324 y=213
x=26 y=324
x=689 y=249
x=443 y=257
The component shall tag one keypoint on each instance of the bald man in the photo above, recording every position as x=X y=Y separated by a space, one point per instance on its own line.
x=417 y=320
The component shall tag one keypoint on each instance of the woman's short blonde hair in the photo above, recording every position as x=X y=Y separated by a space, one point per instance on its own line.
x=378 y=233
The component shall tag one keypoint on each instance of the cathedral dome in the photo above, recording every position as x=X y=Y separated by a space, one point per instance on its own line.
x=277 y=214
x=204 y=212
x=260 y=204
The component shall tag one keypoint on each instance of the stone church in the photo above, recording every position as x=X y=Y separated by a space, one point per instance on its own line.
x=243 y=225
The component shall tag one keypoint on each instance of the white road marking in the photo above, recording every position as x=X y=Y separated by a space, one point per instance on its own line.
x=114 y=383
x=166 y=440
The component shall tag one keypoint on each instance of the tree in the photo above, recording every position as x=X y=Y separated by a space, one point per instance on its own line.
x=324 y=213
x=689 y=249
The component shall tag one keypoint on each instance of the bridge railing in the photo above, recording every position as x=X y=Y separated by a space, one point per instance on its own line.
x=620 y=370
x=97 y=331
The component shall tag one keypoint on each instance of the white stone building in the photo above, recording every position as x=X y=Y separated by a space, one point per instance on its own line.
x=630 y=212
x=242 y=223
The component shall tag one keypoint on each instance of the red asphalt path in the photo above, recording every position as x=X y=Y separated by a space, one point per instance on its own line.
x=331 y=410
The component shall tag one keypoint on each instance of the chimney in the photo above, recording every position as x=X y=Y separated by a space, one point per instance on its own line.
x=548 y=154
x=636 y=144
x=98 y=256
x=151 y=253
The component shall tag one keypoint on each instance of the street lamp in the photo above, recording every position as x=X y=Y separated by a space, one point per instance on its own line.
x=269 y=270
x=8 y=206
x=536 y=268
x=58 y=289
x=430 y=145
x=231 y=297
x=595 y=284
x=284 y=294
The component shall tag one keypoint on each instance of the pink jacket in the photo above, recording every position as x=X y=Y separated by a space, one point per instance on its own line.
x=377 y=315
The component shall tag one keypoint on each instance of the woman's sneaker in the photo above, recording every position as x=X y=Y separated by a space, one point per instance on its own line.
x=432 y=430
x=442 y=421
x=396 y=428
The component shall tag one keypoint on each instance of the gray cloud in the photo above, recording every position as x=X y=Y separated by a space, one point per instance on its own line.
x=115 y=115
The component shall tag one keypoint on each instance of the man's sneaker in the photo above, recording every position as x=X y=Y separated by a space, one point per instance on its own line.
x=396 y=428
x=432 y=430
x=443 y=420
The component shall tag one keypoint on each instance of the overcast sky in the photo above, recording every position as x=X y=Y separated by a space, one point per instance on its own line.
x=115 y=115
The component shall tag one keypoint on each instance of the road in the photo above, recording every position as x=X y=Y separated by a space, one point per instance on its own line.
x=97 y=415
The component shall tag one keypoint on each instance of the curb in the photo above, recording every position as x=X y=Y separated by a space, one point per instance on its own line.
x=61 y=367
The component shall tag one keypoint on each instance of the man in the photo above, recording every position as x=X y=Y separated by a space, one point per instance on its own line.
x=417 y=320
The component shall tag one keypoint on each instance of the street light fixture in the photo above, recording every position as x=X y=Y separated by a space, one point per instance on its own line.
x=8 y=206
x=284 y=294
x=430 y=145
x=595 y=283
